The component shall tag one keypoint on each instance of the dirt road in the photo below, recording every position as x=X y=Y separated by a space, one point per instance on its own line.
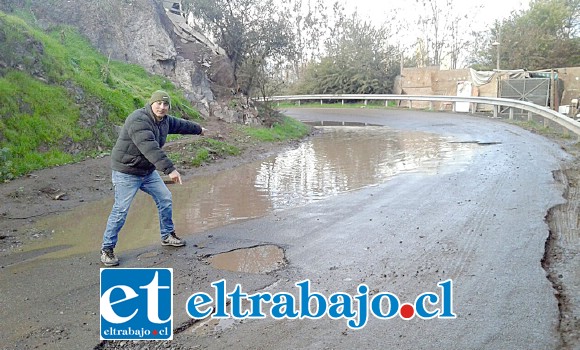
x=482 y=225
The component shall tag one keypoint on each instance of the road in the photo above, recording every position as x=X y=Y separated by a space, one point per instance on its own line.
x=480 y=225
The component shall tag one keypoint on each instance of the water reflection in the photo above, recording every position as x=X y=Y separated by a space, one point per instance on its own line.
x=345 y=159
x=260 y=259
x=338 y=160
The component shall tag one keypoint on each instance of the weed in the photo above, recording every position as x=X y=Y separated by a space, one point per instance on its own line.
x=286 y=129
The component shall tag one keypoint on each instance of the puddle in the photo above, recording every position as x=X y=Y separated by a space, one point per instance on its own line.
x=337 y=160
x=29 y=255
x=260 y=259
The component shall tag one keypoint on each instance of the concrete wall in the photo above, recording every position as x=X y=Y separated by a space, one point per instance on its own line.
x=432 y=81
x=571 y=79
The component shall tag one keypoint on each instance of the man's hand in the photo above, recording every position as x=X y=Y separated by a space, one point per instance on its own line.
x=175 y=176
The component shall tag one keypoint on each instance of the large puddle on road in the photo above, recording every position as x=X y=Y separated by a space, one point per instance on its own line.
x=337 y=160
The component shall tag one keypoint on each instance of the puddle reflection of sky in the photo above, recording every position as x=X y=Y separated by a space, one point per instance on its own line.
x=338 y=160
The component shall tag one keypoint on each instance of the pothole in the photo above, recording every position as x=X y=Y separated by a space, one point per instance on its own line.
x=259 y=259
x=480 y=143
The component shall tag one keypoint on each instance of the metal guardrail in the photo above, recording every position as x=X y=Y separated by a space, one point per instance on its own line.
x=559 y=118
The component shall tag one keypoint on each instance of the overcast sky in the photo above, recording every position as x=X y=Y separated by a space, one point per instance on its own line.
x=482 y=14
x=377 y=11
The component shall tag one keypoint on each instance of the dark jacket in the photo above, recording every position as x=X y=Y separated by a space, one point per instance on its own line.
x=138 y=148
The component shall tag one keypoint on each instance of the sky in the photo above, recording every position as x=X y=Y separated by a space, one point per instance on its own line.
x=482 y=14
x=377 y=11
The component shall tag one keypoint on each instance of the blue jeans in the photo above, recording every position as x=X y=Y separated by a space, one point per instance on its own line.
x=126 y=187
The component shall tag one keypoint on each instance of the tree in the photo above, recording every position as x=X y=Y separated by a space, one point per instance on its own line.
x=252 y=32
x=442 y=28
x=310 y=24
x=544 y=36
x=359 y=60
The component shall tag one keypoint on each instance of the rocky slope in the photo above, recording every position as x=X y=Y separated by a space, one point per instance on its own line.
x=147 y=33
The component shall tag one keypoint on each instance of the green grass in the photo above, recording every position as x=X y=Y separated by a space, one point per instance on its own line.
x=201 y=156
x=204 y=151
x=57 y=91
x=60 y=100
x=287 y=129
x=550 y=130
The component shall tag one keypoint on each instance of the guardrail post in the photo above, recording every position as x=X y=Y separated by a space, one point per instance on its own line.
x=430 y=105
x=343 y=102
x=565 y=132
x=320 y=102
x=366 y=102
x=530 y=116
x=410 y=104
x=473 y=107
x=495 y=110
x=511 y=113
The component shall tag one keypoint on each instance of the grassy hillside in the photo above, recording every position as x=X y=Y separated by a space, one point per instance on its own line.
x=60 y=98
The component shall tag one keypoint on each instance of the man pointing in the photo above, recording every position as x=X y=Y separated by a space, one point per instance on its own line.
x=135 y=160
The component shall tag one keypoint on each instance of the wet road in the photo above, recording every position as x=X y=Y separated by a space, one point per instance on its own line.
x=337 y=160
x=476 y=218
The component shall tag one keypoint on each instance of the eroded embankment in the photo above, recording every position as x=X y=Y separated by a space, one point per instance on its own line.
x=562 y=259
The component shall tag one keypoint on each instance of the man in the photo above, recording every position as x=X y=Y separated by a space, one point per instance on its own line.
x=135 y=158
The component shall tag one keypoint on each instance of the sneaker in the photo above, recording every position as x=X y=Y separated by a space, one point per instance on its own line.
x=173 y=240
x=108 y=258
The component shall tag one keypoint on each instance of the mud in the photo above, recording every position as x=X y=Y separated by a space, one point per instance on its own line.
x=260 y=259
x=30 y=199
x=562 y=257
x=479 y=226
x=335 y=161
